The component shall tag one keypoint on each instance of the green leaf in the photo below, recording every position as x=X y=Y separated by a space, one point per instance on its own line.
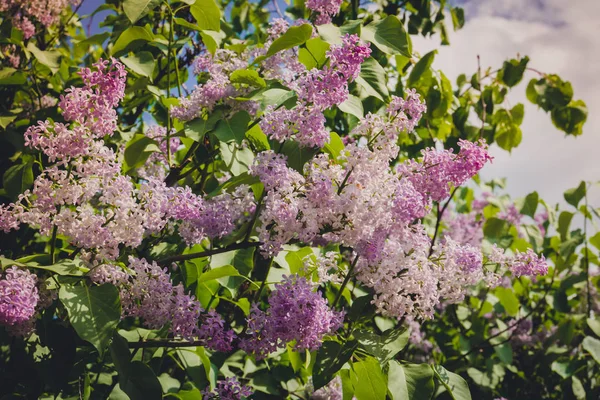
x=257 y=138
x=494 y=227
x=294 y=36
x=94 y=312
x=373 y=79
x=574 y=196
x=595 y=240
x=17 y=179
x=454 y=383
x=5 y=120
x=137 y=151
x=199 y=127
x=314 y=53
x=233 y=129
x=419 y=381
x=335 y=146
x=142 y=63
x=330 y=33
x=63 y=267
x=368 y=380
x=504 y=352
x=207 y=14
x=389 y=36
x=594 y=325
x=136 y=9
x=131 y=38
x=248 y=77
x=227 y=270
x=423 y=65
x=512 y=71
x=212 y=40
x=385 y=346
x=578 y=389
x=592 y=346
x=458 y=17
x=564 y=221
x=397 y=381
x=330 y=358
x=352 y=105
x=570 y=119
x=509 y=301
x=297 y=156
x=141 y=383
x=49 y=58
x=530 y=204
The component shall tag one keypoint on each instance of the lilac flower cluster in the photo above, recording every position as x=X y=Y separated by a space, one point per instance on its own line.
x=325 y=9
x=25 y=12
x=528 y=264
x=228 y=389
x=148 y=293
x=317 y=91
x=296 y=313
x=218 y=88
x=19 y=299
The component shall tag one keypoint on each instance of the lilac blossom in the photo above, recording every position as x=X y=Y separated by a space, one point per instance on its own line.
x=228 y=389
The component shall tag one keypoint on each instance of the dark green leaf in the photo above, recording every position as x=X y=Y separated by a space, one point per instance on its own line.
x=564 y=221
x=423 y=65
x=512 y=71
x=17 y=179
x=454 y=383
x=373 y=79
x=141 y=383
x=530 y=204
x=419 y=381
x=330 y=359
x=574 y=196
x=570 y=119
x=458 y=17
x=137 y=151
x=49 y=58
x=142 y=63
x=385 y=346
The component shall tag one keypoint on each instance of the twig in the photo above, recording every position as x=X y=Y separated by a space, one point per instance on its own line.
x=191 y=256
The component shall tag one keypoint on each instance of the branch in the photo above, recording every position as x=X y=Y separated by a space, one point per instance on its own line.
x=438 y=221
x=207 y=253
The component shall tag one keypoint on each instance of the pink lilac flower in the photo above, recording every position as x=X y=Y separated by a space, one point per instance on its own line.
x=22 y=13
x=296 y=313
x=228 y=389
x=511 y=215
x=325 y=9
x=528 y=264
x=19 y=298
x=331 y=391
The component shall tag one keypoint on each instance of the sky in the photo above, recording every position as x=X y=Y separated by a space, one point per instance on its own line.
x=561 y=37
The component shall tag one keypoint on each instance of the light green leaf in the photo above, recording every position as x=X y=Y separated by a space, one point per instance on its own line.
x=423 y=65
x=578 y=389
x=93 y=311
x=353 y=106
x=132 y=37
x=212 y=40
x=509 y=301
x=373 y=79
x=385 y=346
x=594 y=324
x=137 y=151
x=368 y=380
x=530 y=204
x=397 y=381
x=335 y=146
x=314 y=53
x=199 y=127
x=294 y=36
x=227 y=270
x=49 y=58
x=142 y=63
x=419 y=381
x=389 y=36
x=136 y=9
x=592 y=346
x=248 y=77
x=5 y=120
x=207 y=14
x=454 y=383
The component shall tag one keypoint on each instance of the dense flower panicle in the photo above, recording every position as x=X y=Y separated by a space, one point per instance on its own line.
x=325 y=266
x=108 y=273
x=93 y=105
x=511 y=215
x=440 y=170
x=296 y=313
x=18 y=297
x=156 y=166
x=25 y=12
x=325 y=9
x=217 y=88
x=464 y=228
x=150 y=295
x=528 y=264
x=228 y=389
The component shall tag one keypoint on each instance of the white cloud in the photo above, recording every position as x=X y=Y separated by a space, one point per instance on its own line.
x=560 y=37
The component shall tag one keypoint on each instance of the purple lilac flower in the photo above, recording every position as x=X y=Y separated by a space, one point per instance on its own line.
x=228 y=389
x=296 y=313
x=18 y=297
x=528 y=264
